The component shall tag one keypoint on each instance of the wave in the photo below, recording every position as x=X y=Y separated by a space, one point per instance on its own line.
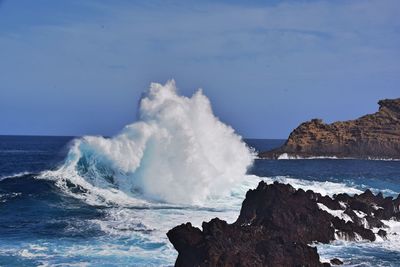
x=139 y=226
x=5 y=197
x=365 y=253
x=322 y=187
x=177 y=152
x=15 y=175
x=286 y=156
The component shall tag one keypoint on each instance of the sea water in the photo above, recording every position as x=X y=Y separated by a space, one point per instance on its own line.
x=95 y=201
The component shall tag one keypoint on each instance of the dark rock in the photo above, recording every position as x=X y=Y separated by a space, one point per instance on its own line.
x=223 y=244
x=348 y=230
x=189 y=241
x=329 y=202
x=280 y=207
x=376 y=135
x=382 y=233
x=374 y=222
x=275 y=226
x=336 y=261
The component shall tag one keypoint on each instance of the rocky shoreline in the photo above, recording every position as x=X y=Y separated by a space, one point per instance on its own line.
x=277 y=224
x=373 y=136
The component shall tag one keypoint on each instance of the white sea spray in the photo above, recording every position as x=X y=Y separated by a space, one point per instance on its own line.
x=177 y=152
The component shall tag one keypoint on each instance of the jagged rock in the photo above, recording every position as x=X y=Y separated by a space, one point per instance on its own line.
x=371 y=136
x=275 y=226
x=222 y=244
x=336 y=261
x=281 y=208
x=382 y=233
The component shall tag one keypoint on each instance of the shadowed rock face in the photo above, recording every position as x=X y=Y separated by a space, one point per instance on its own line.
x=222 y=244
x=376 y=135
x=276 y=224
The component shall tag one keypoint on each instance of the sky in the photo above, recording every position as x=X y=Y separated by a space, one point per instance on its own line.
x=71 y=67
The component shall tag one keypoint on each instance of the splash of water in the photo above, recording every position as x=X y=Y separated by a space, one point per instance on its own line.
x=177 y=152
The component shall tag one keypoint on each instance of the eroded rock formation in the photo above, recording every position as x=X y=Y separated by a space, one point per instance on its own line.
x=276 y=225
x=371 y=136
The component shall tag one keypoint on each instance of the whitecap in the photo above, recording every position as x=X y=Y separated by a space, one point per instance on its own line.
x=177 y=152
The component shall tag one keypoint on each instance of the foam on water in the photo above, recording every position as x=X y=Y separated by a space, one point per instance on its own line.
x=382 y=252
x=14 y=175
x=177 y=163
x=136 y=232
x=286 y=156
x=324 y=188
x=177 y=152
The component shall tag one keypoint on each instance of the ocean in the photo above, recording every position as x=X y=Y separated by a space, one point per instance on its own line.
x=47 y=223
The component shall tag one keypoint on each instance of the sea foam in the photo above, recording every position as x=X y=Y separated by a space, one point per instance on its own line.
x=177 y=152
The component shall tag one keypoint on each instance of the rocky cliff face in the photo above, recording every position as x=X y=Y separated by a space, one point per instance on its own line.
x=371 y=136
x=276 y=224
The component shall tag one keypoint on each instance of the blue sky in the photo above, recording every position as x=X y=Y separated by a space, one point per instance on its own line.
x=78 y=67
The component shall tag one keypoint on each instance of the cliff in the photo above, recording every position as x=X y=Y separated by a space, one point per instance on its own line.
x=371 y=136
x=276 y=225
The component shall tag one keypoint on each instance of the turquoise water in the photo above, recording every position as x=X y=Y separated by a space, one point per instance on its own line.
x=42 y=224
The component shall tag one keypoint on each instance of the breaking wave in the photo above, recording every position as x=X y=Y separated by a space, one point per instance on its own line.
x=177 y=152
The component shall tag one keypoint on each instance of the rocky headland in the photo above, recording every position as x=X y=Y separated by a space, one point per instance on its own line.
x=277 y=224
x=371 y=136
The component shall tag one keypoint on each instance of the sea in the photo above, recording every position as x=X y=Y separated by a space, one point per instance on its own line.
x=44 y=224
x=109 y=201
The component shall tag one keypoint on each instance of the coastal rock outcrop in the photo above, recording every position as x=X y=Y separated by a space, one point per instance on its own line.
x=371 y=136
x=276 y=225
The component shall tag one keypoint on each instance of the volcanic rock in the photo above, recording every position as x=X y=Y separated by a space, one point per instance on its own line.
x=371 y=136
x=276 y=225
x=336 y=261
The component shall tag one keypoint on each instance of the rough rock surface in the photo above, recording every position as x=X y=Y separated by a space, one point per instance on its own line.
x=371 y=136
x=276 y=224
x=336 y=261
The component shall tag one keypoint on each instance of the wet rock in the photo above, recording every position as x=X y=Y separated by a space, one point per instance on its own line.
x=275 y=226
x=294 y=213
x=189 y=241
x=336 y=261
x=222 y=244
x=382 y=233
